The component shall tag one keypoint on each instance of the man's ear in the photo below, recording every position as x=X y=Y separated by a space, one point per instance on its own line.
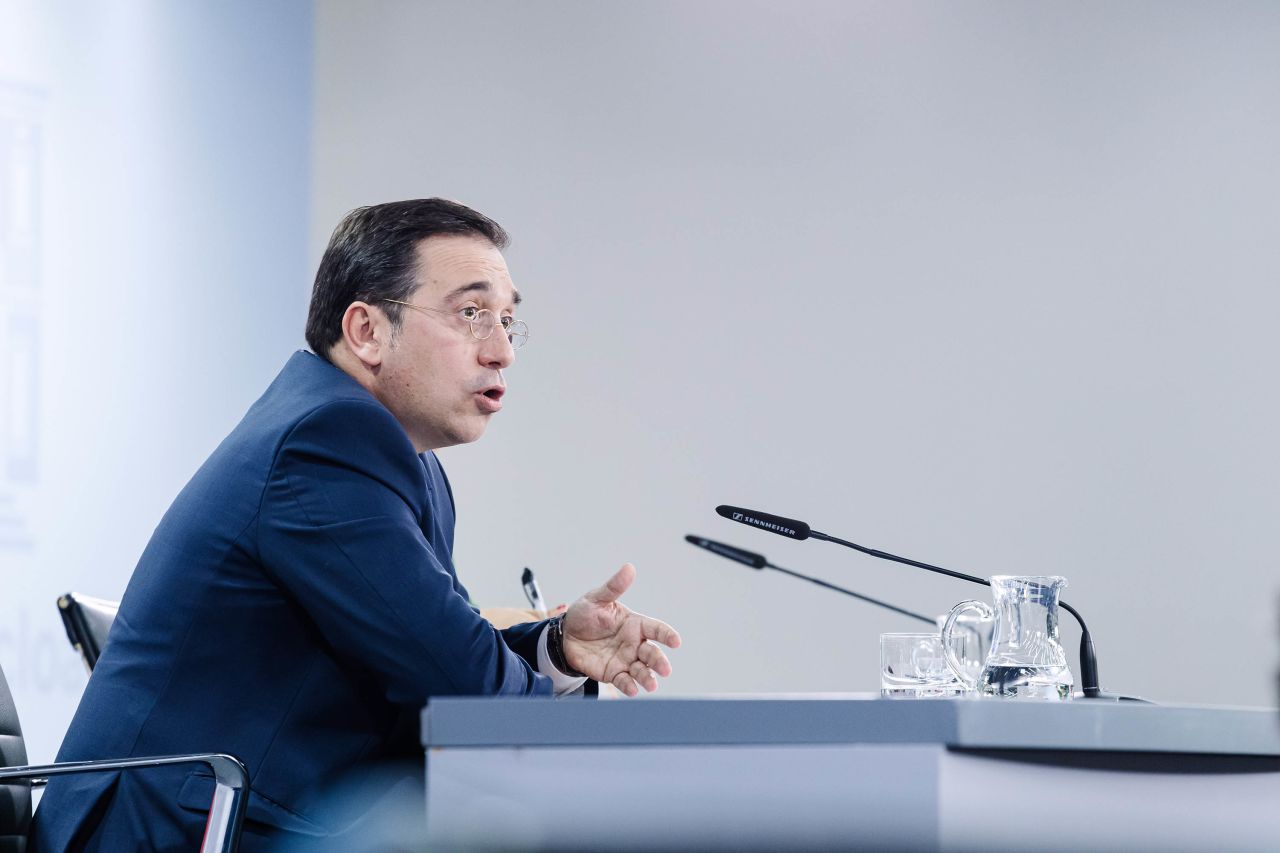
x=366 y=333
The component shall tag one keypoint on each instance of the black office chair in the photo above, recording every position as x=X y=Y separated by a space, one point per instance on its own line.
x=226 y=812
x=87 y=620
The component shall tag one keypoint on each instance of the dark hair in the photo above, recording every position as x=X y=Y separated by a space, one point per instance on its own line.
x=372 y=257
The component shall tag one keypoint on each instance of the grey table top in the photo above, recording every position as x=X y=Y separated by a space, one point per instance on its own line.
x=851 y=719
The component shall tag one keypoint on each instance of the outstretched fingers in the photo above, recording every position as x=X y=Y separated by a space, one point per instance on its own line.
x=659 y=632
x=614 y=587
x=624 y=682
x=643 y=676
x=653 y=658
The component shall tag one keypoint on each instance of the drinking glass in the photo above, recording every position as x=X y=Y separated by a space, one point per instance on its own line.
x=914 y=666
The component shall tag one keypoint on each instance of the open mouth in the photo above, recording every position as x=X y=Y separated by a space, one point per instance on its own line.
x=489 y=400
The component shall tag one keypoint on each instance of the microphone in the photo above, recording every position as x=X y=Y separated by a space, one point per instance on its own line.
x=747 y=558
x=793 y=529
x=773 y=523
x=757 y=561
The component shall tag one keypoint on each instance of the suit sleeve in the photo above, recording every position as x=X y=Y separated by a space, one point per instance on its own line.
x=523 y=640
x=339 y=529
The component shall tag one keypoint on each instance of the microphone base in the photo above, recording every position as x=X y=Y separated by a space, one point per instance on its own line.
x=1102 y=695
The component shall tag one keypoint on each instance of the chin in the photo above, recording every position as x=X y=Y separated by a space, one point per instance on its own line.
x=468 y=434
x=437 y=434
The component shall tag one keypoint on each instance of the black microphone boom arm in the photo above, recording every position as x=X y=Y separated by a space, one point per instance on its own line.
x=758 y=561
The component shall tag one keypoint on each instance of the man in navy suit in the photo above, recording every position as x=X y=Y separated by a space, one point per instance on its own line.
x=297 y=605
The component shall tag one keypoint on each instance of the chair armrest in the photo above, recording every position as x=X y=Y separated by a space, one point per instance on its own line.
x=230 y=796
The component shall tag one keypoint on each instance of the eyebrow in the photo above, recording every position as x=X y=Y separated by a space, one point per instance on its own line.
x=480 y=286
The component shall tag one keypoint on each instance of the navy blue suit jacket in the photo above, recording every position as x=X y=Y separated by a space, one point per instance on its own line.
x=296 y=607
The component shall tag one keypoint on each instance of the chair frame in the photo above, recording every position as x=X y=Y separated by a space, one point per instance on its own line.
x=230 y=793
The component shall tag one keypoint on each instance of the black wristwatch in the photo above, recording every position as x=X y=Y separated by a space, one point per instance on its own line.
x=555 y=647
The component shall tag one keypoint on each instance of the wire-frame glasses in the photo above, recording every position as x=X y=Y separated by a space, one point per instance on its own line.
x=482 y=322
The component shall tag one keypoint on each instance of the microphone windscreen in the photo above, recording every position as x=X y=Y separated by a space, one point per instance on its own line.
x=747 y=558
x=788 y=527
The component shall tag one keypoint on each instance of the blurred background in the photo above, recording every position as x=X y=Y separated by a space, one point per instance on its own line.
x=992 y=286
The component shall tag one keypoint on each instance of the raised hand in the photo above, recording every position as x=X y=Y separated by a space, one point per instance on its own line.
x=607 y=642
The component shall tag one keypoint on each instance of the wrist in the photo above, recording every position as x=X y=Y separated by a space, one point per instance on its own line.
x=555 y=648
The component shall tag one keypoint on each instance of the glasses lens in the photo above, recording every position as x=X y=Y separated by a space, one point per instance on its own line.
x=518 y=334
x=482 y=324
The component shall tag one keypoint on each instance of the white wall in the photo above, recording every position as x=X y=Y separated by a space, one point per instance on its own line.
x=168 y=281
x=991 y=285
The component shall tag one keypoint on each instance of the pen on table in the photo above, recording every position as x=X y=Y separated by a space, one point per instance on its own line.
x=532 y=592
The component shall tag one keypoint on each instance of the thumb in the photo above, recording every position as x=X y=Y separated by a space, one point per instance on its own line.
x=614 y=587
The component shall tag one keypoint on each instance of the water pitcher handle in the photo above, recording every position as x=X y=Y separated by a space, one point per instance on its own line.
x=948 y=627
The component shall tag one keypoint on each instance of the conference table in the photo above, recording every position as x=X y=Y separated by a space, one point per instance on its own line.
x=849 y=771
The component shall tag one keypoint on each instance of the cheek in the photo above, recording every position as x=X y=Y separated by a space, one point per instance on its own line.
x=455 y=367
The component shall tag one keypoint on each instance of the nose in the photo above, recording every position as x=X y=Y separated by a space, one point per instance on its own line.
x=496 y=350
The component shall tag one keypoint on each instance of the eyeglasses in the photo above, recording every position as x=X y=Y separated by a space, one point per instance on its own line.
x=481 y=322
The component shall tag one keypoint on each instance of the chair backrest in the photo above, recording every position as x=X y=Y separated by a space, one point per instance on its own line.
x=88 y=621
x=15 y=798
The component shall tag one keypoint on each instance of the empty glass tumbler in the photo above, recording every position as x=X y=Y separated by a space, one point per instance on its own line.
x=914 y=666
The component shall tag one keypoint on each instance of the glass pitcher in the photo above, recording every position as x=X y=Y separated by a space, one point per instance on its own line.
x=1026 y=659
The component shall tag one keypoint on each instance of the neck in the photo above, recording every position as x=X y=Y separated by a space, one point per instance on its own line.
x=341 y=358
